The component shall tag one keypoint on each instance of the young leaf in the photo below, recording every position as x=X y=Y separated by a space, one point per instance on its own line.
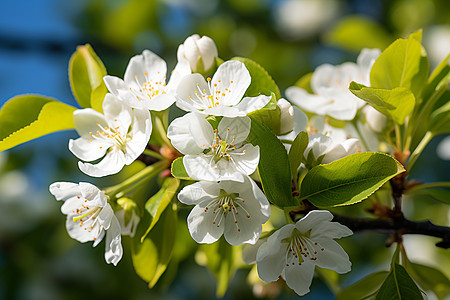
x=397 y=103
x=440 y=75
x=440 y=120
x=178 y=170
x=86 y=72
x=363 y=288
x=398 y=285
x=348 y=180
x=151 y=257
x=296 y=153
x=156 y=205
x=273 y=167
x=270 y=115
x=403 y=64
x=442 y=195
x=27 y=117
x=429 y=278
x=262 y=83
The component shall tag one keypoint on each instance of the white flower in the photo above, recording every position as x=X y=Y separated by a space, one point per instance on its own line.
x=214 y=154
x=235 y=209
x=376 y=120
x=128 y=216
x=330 y=86
x=294 y=250
x=299 y=122
x=144 y=84
x=201 y=53
x=287 y=115
x=89 y=215
x=221 y=95
x=119 y=136
x=324 y=150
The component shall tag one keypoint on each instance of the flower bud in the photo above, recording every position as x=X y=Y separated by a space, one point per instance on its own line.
x=374 y=118
x=287 y=116
x=128 y=216
x=201 y=53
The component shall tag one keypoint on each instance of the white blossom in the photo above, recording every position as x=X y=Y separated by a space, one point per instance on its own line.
x=221 y=95
x=330 y=86
x=200 y=52
x=293 y=251
x=144 y=84
x=324 y=150
x=119 y=135
x=128 y=216
x=214 y=154
x=235 y=209
x=89 y=216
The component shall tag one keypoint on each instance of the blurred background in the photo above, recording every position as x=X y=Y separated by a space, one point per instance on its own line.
x=289 y=38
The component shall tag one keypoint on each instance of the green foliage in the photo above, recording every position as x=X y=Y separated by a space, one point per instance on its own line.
x=273 y=167
x=27 y=117
x=357 y=32
x=86 y=72
x=348 y=180
x=442 y=195
x=151 y=257
x=439 y=77
x=296 y=153
x=440 y=120
x=269 y=115
x=397 y=103
x=429 y=279
x=398 y=285
x=262 y=83
x=178 y=170
x=403 y=64
x=364 y=288
x=156 y=205
x=305 y=82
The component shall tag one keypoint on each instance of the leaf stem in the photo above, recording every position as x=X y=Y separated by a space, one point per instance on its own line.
x=398 y=138
x=413 y=158
x=153 y=154
x=361 y=137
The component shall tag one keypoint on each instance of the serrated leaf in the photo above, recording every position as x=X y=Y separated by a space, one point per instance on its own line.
x=273 y=167
x=262 y=83
x=403 y=64
x=156 y=205
x=296 y=153
x=86 y=72
x=397 y=103
x=27 y=117
x=364 y=288
x=398 y=285
x=151 y=257
x=178 y=170
x=348 y=180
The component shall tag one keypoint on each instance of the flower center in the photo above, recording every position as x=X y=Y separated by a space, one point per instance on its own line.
x=111 y=135
x=150 y=88
x=226 y=205
x=87 y=216
x=211 y=97
x=302 y=248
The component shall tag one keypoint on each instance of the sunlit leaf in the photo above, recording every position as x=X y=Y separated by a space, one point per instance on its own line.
x=296 y=153
x=270 y=115
x=27 y=117
x=398 y=285
x=178 y=170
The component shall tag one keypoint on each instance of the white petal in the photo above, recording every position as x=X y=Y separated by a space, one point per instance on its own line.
x=249 y=251
x=91 y=193
x=112 y=163
x=83 y=232
x=199 y=192
x=117 y=114
x=250 y=104
x=198 y=167
x=319 y=144
x=208 y=50
x=332 y=230
x=333 y=257
x=312 y=219
x=181 y=69
x=85 y=121
x=201 y=226
x=323 y=76
x=230 y=112
x=88 y=149
x=349 y=146
x=160 y=102
x=140 y=132
x=113 y=243
x=234 y=130
x=105 y=216
x=299 y=277
x=187 y=88
x=64 y=190
x=307 y=101
x=246 y=158
x=234 y=76
x=115 y=85
x=149 y=63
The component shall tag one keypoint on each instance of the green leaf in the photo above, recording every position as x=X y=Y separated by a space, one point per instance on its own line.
x=305 y=82
x=440 y=76
x=348 y=180
x=273 y=167
x=429 y=278
x=178 y=170
x=86 y=72
x=397 y=103
x=270 y=115
x=27 y=117
x=403 y=64
x=156 y=205
x=440 y=120
x=97 y=96
x=262 y=83
x=296 y=153
x=364 y=288
x=398 y=285
x=357 y=32
x=151 y=257
x=441 y=195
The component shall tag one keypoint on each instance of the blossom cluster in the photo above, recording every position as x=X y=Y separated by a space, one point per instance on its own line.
x=213 y=139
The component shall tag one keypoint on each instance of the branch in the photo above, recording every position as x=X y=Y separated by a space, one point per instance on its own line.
x=398 y=225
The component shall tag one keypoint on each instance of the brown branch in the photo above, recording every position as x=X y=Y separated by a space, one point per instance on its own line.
x=398 y=225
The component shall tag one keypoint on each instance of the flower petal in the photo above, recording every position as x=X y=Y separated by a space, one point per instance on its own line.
x=88 y=149
x=85 y=121
x=112 y=163
x=198 y=192
x=250 y=104
x=181 y=69
x=332 y=230
x=234 y=76
x=246 y=159
x=113 y=243
x=201 y=226
x=234 y=130
x=189 y=91
x=312 y=219
x=299 y=277
x=144 y=66
x=64 y=190
x=140 y=132
x=333 y=257
x=117 y=114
